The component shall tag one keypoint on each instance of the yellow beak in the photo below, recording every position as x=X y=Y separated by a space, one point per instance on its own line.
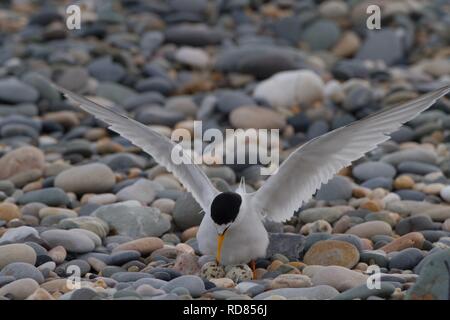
x=220 y=238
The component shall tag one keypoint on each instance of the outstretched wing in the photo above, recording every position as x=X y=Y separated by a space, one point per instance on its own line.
x=155 y=144
x=318 y=160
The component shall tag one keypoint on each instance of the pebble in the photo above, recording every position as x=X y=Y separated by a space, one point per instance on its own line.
x=404 y=182
x=416 y=167
x=193 y=57
x=130 y=276
x=288 y=88
x=105 y=69
x=19 y=289
x=50 y=196
x=83 y=294
x=320 y=292
x=71 y=241
x=363 y=292
x=290 y=245
x=187 y=263
x=370 y=229
x=21 y=160
x=321 y=35
x=9 y=211
x=193 y=284
x=90 y=178
x=374 y=48
x=332 y=252
x=247 y=117
x=433 y=279
x=22 y=270
x=144 y=246
x=40 y=294
x=132 y=220
x=406 y=259
x=17 y=252
x=415 y=223
x=409 y=240
x=93 y=224
x=338 y=277
x=445 y=193
x=338 y=188
x=329 y=214
x=8 y=87
x=229 y=100
x=369 y=170
x=142 y=190
x=419 y=155
x=58 y=254
x=290 y=281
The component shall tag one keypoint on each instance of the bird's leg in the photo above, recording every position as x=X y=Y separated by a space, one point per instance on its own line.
x=253 y=267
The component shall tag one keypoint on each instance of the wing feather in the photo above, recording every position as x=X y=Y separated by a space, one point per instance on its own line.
x=155 y=144
x=318 y=160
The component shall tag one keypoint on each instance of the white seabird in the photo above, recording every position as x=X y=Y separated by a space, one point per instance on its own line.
x=232 y=227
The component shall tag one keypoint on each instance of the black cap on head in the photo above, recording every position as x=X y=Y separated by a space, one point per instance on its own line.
x=225 y=207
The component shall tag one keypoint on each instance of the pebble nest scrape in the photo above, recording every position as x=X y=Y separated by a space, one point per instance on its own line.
x=75 y=196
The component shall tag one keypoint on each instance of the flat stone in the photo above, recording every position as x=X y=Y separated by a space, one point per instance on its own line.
x=372 y=169
x=383 y=45
x=143 y=245
x=22 y=270
x=409 y=240
x=16 y=252
x=187 y=263
x=320 y=292
x=363 y=292
x=289 y=88
x=19 y=289
x=248 y=117
x=290 y=245
x=406 y=259
x=93 y=224
x=19 y=234
x=330 y=214
x=339 y=277
x=433 y=280
x=20 y=160
x=291 y=281
x=332 y=252
x=71 y=241
x=9 y=88
x=49 y=196
x=193 y=284
x=132 y=220
x=142 y=190
x=421 y=155
x=370 y=229
x=338 y=188
x=89 y=178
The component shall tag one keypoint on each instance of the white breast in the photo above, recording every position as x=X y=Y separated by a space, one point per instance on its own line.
x=245 y=240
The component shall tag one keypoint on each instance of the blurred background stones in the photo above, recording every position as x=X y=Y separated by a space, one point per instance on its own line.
x=73 y=193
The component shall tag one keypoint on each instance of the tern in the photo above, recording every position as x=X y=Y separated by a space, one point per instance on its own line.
x=232 y=228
